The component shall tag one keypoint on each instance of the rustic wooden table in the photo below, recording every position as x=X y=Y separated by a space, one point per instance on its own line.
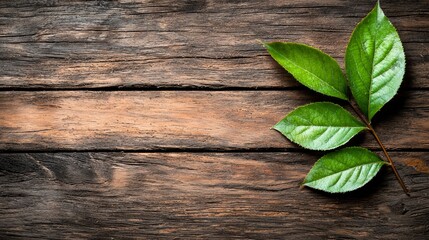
x=151 y=119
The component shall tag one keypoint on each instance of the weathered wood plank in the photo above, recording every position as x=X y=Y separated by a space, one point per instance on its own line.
x=201 y=195
x=156 y=120
x=90 y=44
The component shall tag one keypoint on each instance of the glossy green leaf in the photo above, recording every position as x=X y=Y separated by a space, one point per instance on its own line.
x=344 y=170
x=311 y=67
x=319 y=126
x=375 y=62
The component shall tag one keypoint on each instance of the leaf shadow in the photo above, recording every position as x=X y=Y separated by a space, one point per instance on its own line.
x=399 y=101
x=392 y=109
x=408 y=79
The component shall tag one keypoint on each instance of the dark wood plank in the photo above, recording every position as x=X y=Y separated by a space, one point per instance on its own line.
x=157 y=120
x=213 y=44
x=201 y=195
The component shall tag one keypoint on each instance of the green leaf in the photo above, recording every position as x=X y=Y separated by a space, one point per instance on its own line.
x=344 y=170
x=375 y=62
x=320 y=126
x=311 y=67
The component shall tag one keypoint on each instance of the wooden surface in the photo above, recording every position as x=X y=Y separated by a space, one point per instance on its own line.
x=180 y=120
x=151 y=120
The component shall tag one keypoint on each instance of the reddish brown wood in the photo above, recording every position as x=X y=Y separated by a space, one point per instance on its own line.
x=184 y=120
x=199 y=164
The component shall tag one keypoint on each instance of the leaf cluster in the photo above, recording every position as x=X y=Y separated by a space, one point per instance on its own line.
x=375 y=66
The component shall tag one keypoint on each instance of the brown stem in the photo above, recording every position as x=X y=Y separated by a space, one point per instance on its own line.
x=401 y=182
x=392 y=165
x=359 y=113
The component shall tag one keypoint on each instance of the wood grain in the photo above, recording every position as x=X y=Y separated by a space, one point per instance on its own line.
x=184 y=44
x=203 y=196
x=150 y=119
x=180 y=120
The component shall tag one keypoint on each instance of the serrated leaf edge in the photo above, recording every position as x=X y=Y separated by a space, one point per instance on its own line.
x=319 y=149
x=345 y=57
x=324 y=190
x=343 y=96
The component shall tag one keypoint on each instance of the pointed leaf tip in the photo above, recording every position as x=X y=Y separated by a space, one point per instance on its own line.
x=345 y=170
x=375 y=62
x=311 y=67
x=319 y=126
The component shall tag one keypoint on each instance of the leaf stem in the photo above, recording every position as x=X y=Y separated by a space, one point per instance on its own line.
x=401 y=182
x=371 y=129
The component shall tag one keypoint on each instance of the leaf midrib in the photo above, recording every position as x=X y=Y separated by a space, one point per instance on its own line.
x=328 y=126
x=372 y=63
x=346 y=170
x=291 y=62
x=306 y=120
